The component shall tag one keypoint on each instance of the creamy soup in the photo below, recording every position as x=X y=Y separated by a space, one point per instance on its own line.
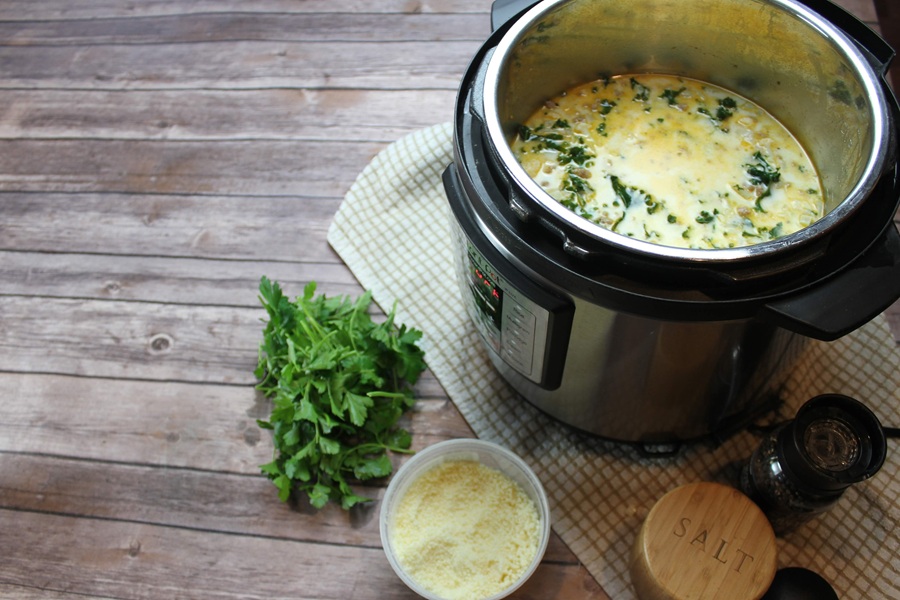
x=672 y=161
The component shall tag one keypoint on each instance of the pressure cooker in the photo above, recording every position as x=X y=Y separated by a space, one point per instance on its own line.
x=651 y=344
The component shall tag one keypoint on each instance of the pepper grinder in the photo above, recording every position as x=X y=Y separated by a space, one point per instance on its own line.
x=802 y=467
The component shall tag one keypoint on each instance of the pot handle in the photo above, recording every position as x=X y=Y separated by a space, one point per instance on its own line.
x=503 y=11
x=862 y=34
x=849 y=300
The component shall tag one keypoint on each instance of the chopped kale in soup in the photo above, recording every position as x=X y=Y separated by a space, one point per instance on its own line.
x=672 y=161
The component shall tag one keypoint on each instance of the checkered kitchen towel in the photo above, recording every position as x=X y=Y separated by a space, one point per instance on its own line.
x=393 y=231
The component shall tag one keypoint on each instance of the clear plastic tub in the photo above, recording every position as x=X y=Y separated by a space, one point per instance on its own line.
x=486 y=453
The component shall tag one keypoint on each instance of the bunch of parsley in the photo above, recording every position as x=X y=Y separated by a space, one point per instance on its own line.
x=339 y=383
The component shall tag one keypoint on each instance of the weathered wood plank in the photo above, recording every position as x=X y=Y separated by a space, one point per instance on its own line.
x=86 y=9
x=178 y=281
x=142 y=341
x=191 y=499
x=163 y=279
x=134 y=560
x=167 y=424
x=249 y=168
x=129 y=340
x=92 y=9
x=248 y=26
x=892 y=315
x=27 y=592
x=138 y=341
x=238 y=65
x=290 y=228
x=176 y=474
x=280 y=114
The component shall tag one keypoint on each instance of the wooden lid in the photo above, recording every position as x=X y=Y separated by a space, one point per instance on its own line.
x=704 y=541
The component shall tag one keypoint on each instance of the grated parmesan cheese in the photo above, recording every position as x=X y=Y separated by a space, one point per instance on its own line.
x=465 y=531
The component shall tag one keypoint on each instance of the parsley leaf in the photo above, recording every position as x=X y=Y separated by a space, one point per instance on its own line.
x=339 y=383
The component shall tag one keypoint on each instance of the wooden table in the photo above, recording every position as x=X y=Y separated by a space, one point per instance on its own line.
x=157 y=158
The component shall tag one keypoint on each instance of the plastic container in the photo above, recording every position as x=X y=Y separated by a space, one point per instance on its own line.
x=486 y=453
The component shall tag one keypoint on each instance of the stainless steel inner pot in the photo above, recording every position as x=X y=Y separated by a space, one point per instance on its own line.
x=779 y=53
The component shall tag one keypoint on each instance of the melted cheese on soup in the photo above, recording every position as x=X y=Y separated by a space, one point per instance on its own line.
x=672 y=161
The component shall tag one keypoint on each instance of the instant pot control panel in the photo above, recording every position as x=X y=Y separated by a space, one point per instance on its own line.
x=511 y=323
x=524 y=324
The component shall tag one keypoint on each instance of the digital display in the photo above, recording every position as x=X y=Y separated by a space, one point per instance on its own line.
x=515 y=318
x=488 y=295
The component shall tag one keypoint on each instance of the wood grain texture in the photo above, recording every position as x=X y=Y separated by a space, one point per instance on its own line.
x=210 y=115
x=238 y=65
x=128 y=559
x=157 y=158
x=25 y=10
x=704 y=540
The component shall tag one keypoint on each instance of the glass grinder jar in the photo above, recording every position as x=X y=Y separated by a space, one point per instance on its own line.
x=802 y=467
